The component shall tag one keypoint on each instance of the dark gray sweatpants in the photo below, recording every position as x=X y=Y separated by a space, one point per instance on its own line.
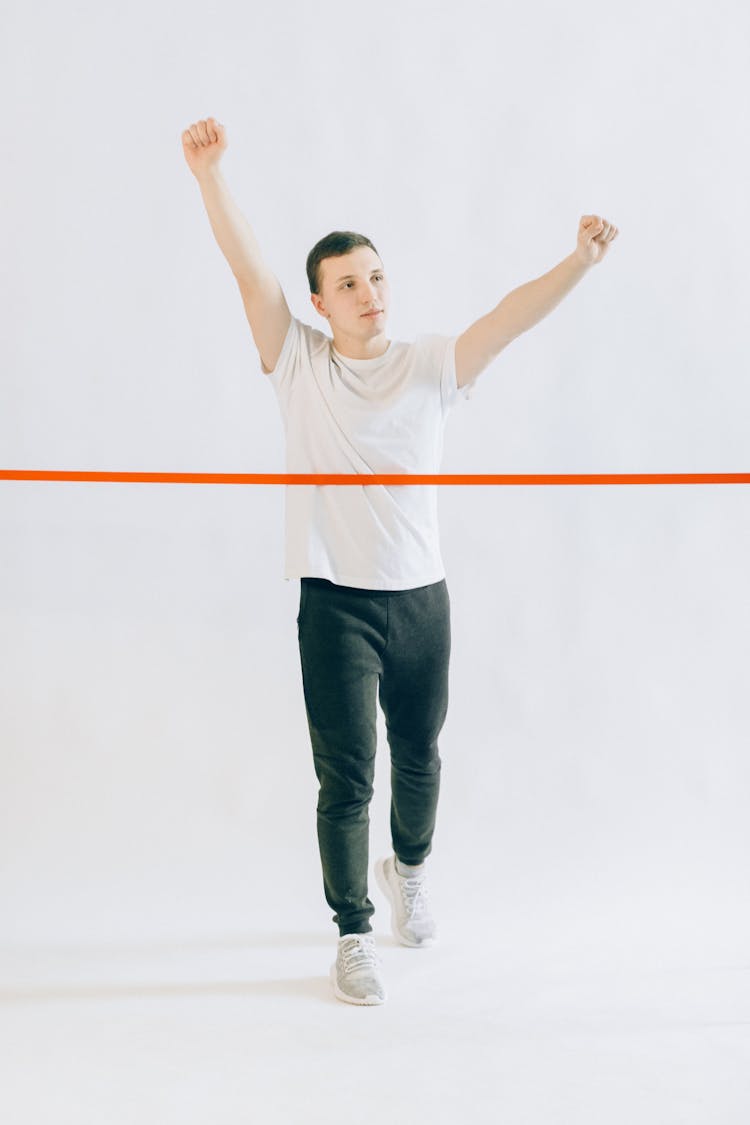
x=356 y=646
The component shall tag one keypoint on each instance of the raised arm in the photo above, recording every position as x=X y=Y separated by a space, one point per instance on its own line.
x=525 y=306
x=203 y=143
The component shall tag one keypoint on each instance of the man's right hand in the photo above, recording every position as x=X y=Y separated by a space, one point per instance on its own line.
x=203 y=144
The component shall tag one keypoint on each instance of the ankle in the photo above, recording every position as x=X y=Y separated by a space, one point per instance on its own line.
x=405 y=869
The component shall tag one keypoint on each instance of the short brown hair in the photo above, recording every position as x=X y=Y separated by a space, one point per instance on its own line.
x=336 y=243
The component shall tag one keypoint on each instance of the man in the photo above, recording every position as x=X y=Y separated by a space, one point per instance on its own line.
x=374 y=613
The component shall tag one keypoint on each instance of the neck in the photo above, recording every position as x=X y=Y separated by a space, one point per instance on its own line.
x=354 y=348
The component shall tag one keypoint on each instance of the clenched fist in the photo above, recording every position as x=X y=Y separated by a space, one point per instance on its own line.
x=204 y=143
x=594 y=237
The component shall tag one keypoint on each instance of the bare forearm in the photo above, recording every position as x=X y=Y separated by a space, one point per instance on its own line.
x=525 y=306
x=233 y=233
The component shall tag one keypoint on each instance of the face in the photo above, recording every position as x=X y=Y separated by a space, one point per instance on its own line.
x=351 y=286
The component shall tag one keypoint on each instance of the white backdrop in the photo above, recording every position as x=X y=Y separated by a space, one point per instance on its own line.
x=157 y=779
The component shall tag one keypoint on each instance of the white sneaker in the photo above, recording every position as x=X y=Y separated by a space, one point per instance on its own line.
x=411 y=921
x=355 y=974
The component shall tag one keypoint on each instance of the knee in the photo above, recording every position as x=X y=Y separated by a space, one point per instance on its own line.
x=415 y=755
x=346 y=786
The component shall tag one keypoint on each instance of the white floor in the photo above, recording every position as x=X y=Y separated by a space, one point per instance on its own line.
x=246 y=1029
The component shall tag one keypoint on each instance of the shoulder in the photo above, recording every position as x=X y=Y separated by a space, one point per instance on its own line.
x=313 y=340
x=441 y=352
x=435 y=348
x=303 y=344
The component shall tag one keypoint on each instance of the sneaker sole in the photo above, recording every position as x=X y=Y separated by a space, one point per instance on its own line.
x=368 y=1000
x=386 y=889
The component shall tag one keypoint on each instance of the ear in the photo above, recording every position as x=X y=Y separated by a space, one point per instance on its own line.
x=317 y=303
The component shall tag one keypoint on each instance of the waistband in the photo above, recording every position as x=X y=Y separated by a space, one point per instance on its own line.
x=328 y=585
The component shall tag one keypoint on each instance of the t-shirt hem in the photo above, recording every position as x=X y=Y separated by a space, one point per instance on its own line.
x=371 y=582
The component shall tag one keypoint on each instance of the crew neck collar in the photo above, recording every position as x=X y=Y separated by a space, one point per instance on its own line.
x=370 y=361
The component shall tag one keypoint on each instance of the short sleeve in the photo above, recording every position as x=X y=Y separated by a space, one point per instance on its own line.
x=287 y=364
x=441 y=355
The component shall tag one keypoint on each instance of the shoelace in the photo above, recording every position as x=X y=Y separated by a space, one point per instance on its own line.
x=414 y=894
x=358 y=955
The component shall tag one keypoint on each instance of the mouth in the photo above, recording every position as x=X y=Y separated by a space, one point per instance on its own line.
x=375 y=312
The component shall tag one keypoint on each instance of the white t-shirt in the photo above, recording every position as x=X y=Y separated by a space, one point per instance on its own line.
x=381 y=415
